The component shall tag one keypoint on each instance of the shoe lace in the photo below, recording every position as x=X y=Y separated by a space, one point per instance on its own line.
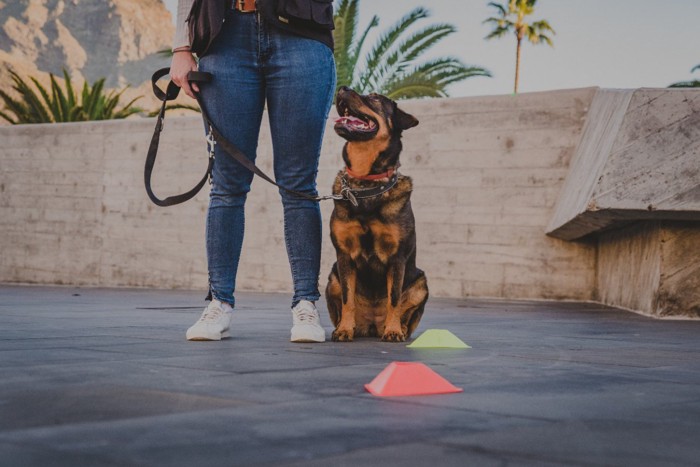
x=211 y=314
x=306 y=315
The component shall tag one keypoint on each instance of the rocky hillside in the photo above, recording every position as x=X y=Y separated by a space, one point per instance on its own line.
x=115 y=39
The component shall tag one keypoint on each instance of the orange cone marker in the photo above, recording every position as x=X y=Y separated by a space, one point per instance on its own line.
x=409 y=379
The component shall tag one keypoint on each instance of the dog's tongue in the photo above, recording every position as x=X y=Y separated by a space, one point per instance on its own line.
x=350 y=120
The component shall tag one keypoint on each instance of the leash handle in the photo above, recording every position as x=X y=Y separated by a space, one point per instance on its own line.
x=170 y=93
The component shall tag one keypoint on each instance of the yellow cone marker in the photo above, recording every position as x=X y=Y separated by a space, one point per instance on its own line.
x=438 y=339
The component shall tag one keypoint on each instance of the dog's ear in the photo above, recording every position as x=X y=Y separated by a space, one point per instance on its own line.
x=404 y=120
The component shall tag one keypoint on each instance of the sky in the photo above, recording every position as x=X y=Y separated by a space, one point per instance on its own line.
x=606 y=43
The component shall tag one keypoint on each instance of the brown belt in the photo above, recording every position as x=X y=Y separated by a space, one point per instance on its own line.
x=244 y=6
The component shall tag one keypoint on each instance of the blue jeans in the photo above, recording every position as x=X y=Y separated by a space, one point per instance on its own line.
x=254 y=63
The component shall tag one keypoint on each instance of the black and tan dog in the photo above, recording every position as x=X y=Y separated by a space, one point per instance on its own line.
x=374 y=288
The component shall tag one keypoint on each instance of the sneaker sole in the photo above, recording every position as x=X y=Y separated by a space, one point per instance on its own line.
x=306 y=341
x=224 y=335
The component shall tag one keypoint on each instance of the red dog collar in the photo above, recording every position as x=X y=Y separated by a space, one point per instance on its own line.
x=380 y=176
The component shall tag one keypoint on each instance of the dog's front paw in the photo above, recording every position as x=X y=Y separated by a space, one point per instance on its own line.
x=393 y=336
x=342 y=335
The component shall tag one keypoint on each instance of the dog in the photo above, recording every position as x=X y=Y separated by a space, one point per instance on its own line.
x=374 y=288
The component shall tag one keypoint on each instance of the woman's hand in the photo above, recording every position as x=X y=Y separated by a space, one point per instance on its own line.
x=182 y=63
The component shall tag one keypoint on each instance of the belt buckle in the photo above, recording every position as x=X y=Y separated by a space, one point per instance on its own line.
x=240 y=6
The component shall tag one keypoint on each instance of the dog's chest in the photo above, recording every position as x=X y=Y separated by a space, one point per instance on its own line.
x=368 y=240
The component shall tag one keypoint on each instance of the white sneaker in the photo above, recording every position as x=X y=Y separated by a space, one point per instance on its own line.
x=214 y=323
x=307 y=324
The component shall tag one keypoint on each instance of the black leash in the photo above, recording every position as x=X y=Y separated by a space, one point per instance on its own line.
x=215 y=137
x=170 y=94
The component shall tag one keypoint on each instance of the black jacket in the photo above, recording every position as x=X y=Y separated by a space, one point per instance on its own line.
x=319 y=14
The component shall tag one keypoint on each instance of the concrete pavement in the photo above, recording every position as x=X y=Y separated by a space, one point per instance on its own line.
x=105 y=377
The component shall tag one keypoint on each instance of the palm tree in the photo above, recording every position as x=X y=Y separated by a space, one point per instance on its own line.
x=511 y=17
x=389 y=68
x=59 y=106
x=688 y=84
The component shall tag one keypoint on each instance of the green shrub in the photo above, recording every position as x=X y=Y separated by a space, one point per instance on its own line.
x=56 y=105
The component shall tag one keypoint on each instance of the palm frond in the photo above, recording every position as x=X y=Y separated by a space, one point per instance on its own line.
x=686 y=84
x=500 y=32
x=503 y=11
x=524 y=7
x=385 y=67
x=534 y=36
x=408 y=51
x=415 y=85
x=542 y=26
x=343 y=37
x=386 y=42
x=441 y=72
x=409 y=89
x=354 y=55
x=347 y=46
x=498 y=22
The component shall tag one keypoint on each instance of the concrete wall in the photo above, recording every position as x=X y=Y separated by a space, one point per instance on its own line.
x=487 y=173
x=72 y=206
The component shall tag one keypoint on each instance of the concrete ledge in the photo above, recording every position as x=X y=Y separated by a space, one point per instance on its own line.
x=639 y=158
x=651 y=267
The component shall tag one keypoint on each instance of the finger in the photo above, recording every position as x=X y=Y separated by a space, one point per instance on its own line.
x=195 y=87
x=186 y=87
x=177 y=79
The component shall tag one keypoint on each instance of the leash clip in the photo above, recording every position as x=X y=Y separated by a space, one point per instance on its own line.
x=211 y=143
x=346 y=192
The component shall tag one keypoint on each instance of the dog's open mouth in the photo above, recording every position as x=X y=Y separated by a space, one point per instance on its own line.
x=353 y=123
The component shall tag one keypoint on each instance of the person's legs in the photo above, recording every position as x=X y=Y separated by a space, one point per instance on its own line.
x=234 y=101
x=300 y=77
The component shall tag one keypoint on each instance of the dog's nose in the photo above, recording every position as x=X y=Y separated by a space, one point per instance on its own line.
x=343 y=89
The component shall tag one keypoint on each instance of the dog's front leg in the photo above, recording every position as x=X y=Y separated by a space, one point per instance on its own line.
x=347 y=273
x=394 y=287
